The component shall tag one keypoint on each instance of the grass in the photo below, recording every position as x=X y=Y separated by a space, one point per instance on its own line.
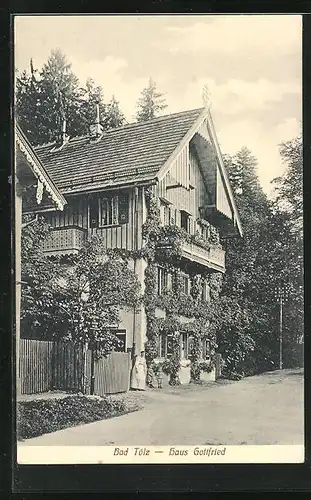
x=42 y=416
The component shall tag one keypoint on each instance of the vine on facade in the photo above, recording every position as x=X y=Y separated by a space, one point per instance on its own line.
x=163 y=245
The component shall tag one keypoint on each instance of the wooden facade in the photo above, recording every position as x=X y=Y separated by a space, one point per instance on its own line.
x=190 y=186
x=81 y=219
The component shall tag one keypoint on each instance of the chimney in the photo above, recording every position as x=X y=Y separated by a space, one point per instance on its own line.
x=96 y=129
x=64 y=130
x=63 y=138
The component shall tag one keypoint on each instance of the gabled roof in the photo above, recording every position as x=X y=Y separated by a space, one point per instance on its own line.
x=37 y=168
x=132 y=153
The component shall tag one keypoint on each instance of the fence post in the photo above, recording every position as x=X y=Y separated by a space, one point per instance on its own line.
x=218 y=364
x=92 y=388
x=84 y=369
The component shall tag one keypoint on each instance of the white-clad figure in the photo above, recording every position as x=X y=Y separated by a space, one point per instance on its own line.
x=139 y=372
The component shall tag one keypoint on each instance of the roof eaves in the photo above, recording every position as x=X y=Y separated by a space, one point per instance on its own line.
x=38 y=168
x=224 y=171
x=110 y=183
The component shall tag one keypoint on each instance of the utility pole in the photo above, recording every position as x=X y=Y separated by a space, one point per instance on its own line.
x=281 y=333
x=281 y=295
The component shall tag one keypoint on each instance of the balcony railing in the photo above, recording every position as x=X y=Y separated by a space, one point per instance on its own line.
x=213 y=257
x=64 y=240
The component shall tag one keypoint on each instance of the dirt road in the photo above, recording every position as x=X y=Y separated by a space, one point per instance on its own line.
x=265 y=409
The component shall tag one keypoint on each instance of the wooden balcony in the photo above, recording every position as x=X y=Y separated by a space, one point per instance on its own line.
x=213 y=257
x=64 y=240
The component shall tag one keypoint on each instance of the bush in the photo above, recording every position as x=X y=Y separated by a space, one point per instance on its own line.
x=38 y=417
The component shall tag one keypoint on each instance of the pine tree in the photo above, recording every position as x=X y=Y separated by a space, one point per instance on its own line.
x=45 y=98
x=247 y=278
x=92 y=95
x=287 y=230
x=150 y=103
x=61 y=98
x=27 y=102
x=113 y=115
x=289 y=187
x=268 y=255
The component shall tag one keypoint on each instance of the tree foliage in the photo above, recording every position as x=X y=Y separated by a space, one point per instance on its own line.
x=47 y=97
x=78 y=299
x=150 y=103
x=289 y=187
x=268 y=255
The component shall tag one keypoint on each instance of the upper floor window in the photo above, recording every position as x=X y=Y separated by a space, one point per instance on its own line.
x=185 y=221
x=108 y=210
x=205 y=291
x=165 y=280
x=167 y=215
x=205 y=232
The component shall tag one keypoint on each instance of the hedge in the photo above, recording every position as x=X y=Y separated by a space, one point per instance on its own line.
x=38 y=417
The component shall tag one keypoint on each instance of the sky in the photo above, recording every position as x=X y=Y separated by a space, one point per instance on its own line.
x=252 y=65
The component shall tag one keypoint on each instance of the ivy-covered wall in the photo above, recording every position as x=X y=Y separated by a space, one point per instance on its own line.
x=163 y=247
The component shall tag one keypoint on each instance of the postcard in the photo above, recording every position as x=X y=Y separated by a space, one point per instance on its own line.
x=158 y=239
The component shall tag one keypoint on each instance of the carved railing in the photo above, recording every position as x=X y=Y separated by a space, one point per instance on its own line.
x=64 y=240
x=213 y=257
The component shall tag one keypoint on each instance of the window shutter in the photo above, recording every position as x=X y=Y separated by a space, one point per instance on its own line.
x=204 y=349
x=159 y=280
x=123 y=208
x=115 y=209
x=94 y=212
x=169 y=281
x=190 y=225
x=104 y=217
x=169 y=345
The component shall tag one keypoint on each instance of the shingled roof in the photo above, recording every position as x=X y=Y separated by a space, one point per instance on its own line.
x=132 y=153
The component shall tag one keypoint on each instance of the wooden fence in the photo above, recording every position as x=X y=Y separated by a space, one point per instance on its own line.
x=67 y=367
x=35 y=366
x=112 y=374
x=64 y=366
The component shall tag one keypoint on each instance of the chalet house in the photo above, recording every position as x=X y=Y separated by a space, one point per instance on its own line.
x=107 y=178
x=31 y=178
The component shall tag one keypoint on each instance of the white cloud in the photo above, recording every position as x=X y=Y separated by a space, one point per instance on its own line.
x=253 y=44
x=237 y=34
x=263 y=144
x=235 y=96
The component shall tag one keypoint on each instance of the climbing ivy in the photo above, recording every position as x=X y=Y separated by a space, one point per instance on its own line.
x=163 y=245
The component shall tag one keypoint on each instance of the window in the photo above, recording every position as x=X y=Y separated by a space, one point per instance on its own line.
x=165 y=346
x=167 y=216
x=205 y=291
x=161 y=280
x=109 y=210
x=184 y=345
x=184 y=220
x=173 y=216
x=165 y=280
x=206 y=349
x=121 y=334
x=185 y=284
x=190 y=345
